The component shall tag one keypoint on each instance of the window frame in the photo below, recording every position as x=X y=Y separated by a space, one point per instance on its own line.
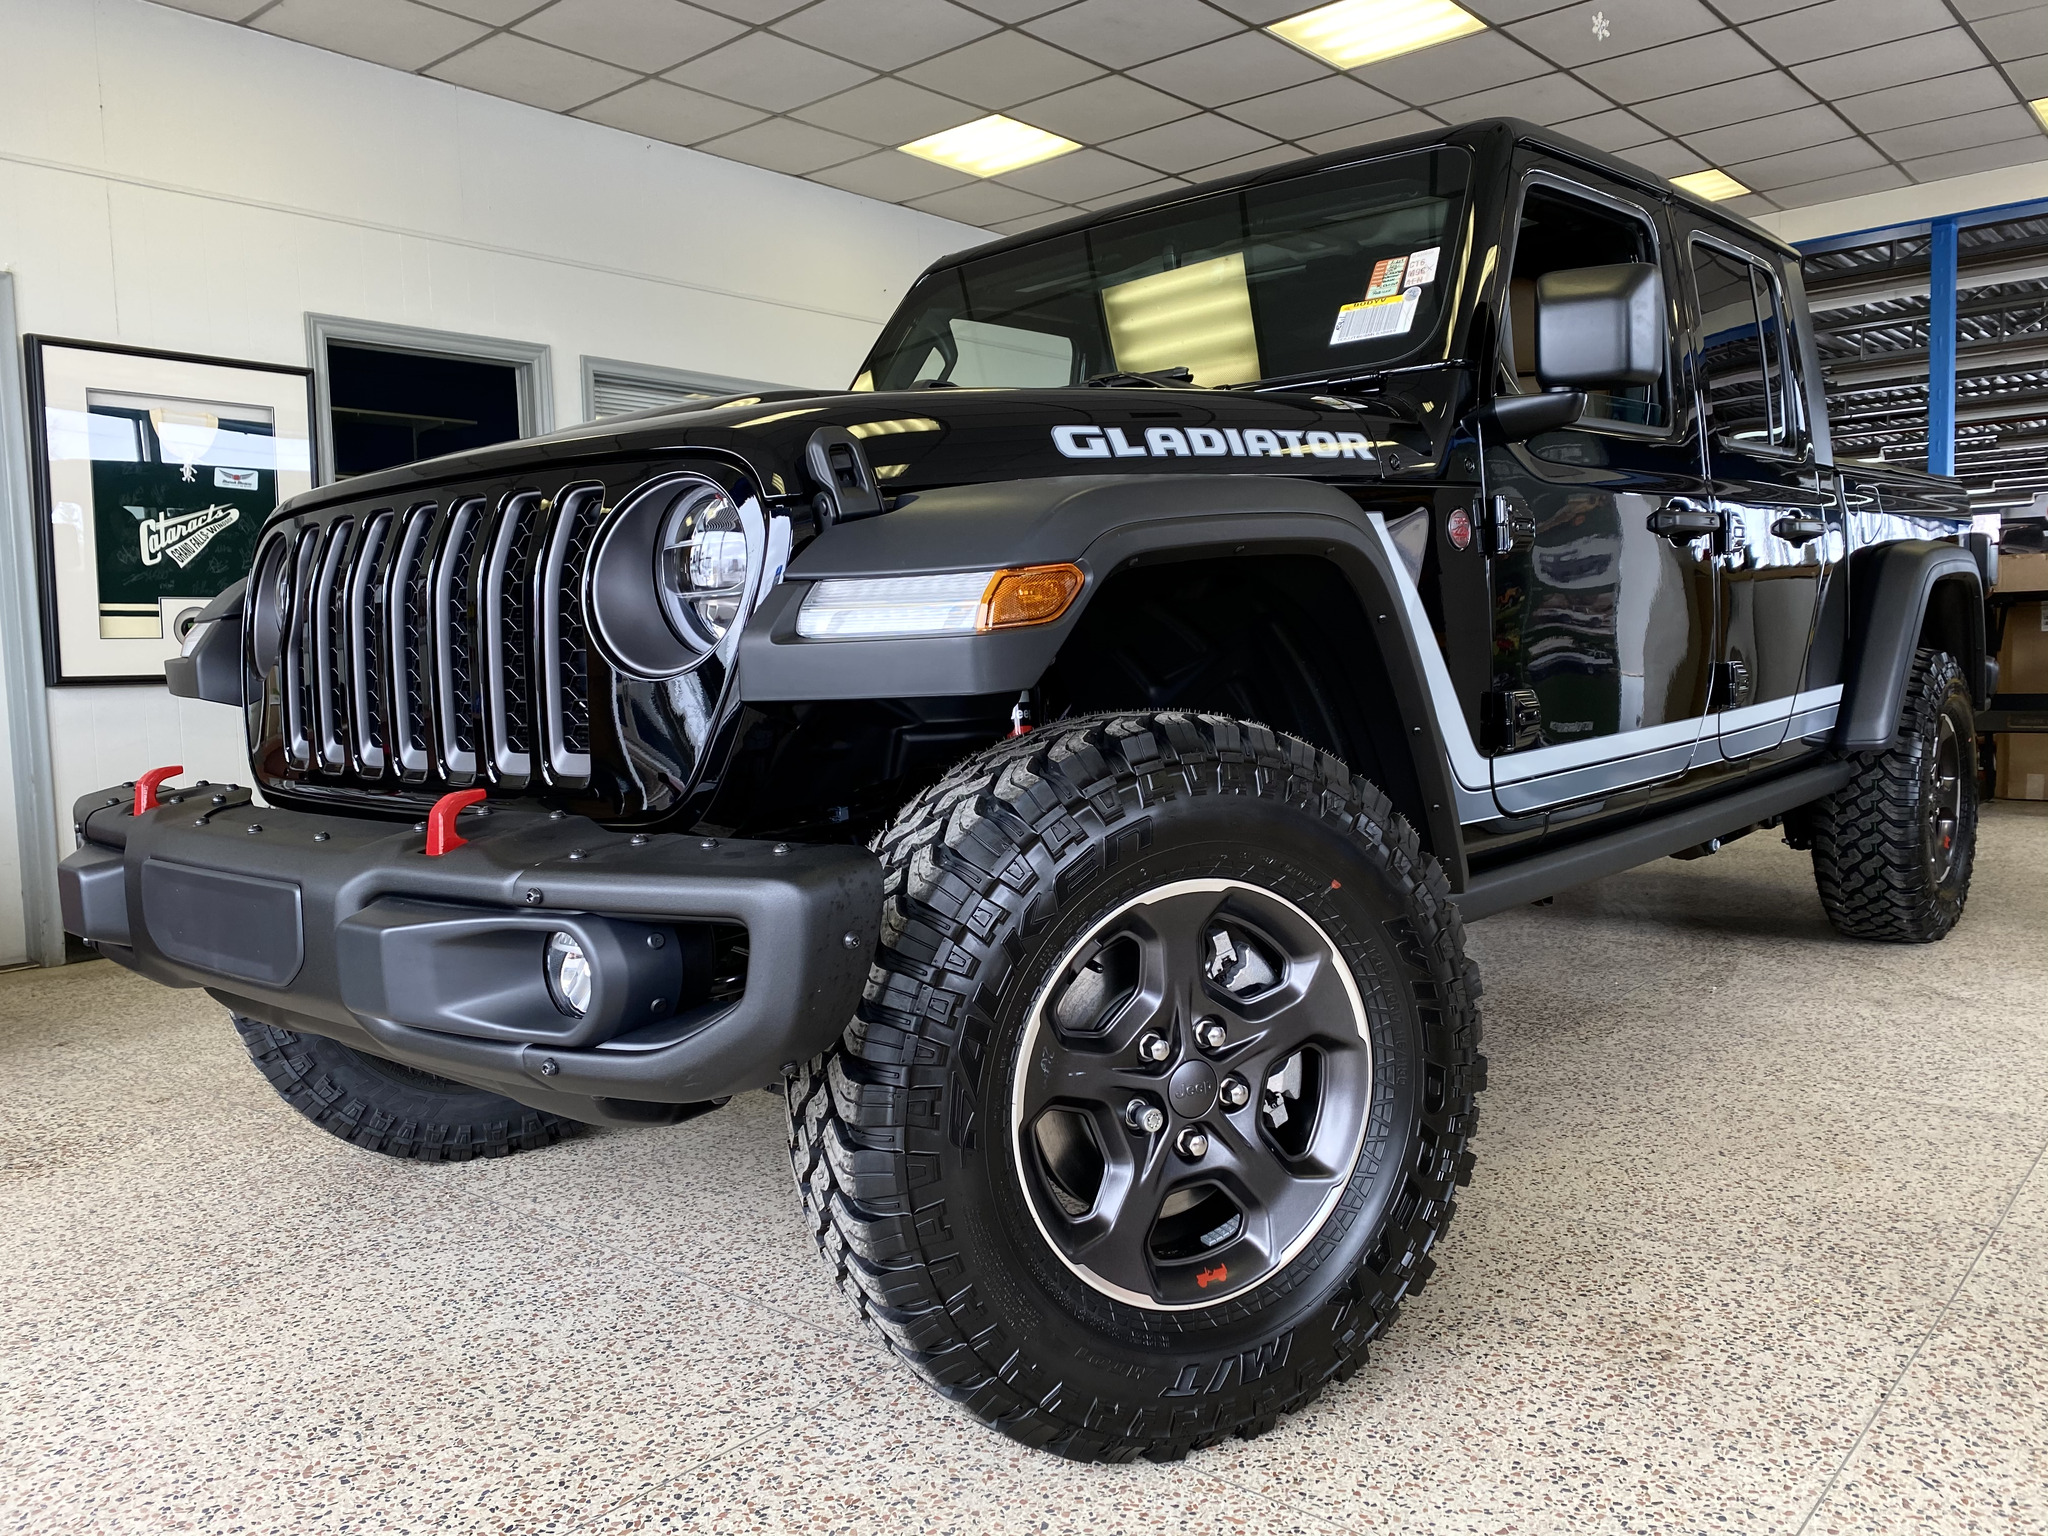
x=1506 y=383
x=1786 y=398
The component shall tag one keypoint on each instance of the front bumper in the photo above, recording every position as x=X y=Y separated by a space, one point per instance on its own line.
x=344 y=927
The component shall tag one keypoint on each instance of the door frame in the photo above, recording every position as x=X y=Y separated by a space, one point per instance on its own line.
x=532 y=365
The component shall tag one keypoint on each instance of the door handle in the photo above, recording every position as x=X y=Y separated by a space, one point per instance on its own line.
x=1681 y=519
x=1799 y=530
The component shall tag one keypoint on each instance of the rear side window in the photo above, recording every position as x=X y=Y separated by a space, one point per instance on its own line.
x=1743 y=366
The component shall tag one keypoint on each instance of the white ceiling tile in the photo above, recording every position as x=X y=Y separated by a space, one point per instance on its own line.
x=1502 y=12
x=1910 y=58
x=1232 y=68
x=756 y=13
x=1257 y=160
x=1318 y=107
x=1836 y=159
x=1752 y=138
x=1002 y=69
x=1032 y=221
x=643 y=35
x=1740 y=11
x=783 y=144
x=1010 y=12
x=769 y=72
x=1919 y=140
x=1613 y=130
x=1546 y=99
x=1838 y=26
x=1263 y=13
x=392 y=32
x=1732 y=101
x=1831 y=189
x=1102 y=109
x=1675 y=67
x=2030 y=77
x=884 y=36
x=1664 y=158
x=1178 y=148
x=505 y=64
x=657 y=110
x=1750 y=205
x=892 y=176
x=984 y=203
x=1456 y=68
x=492 y=13
x=2018 y=35
x=1571 y=36
x=1082 y=173
x=888 y=111
x=1363 y=135
x=1923 y=101
x=1119 y=33
x=1981 y=10
x=1986 y=157
x=219 y=10
x=1137 y=194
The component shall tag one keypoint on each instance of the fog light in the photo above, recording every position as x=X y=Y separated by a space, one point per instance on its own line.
x=568 y=971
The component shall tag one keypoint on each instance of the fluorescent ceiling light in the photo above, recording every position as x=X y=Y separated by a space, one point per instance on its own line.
x=1714 y=186
x=1354 y=32
x=2040 y=106
x=990 y=145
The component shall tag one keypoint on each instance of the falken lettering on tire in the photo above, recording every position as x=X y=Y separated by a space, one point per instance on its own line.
x=1209 y=443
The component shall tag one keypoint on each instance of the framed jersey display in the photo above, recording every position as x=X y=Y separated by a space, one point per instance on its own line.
x=154 y=472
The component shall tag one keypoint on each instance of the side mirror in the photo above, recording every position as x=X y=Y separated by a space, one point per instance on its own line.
x=1599 y=327
x=1517 y=418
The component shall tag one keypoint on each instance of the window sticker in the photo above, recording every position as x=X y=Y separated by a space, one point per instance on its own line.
x=1422 y=267
x=1370 y=319
x=1386 y=278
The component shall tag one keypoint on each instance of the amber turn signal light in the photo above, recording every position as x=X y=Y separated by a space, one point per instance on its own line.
x=1034 y=594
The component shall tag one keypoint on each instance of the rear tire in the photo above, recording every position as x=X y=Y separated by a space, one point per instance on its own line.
x=397 y=1110
x=970 y=1159
x=1893 y=848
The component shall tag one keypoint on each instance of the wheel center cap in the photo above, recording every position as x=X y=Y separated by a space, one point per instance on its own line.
x=1192 y=1089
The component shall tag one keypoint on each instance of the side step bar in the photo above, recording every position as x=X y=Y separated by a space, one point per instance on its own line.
x=1559 y=869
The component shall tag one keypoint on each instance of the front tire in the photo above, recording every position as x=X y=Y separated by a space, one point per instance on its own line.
x=1893 y=848
x=394 y=1109
x=1175 y=911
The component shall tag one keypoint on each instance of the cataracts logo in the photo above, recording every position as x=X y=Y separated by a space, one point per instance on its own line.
x=182 y=535
x=1209 y=443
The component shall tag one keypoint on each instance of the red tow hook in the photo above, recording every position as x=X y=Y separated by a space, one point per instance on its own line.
x=145 y=786
x=441 y=833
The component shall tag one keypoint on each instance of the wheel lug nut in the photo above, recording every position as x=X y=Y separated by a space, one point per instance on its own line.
x=1154 y=1048
x=1192 y=1144
x=1234 y=1091
x=1211 y=1034
x=1143 y=1115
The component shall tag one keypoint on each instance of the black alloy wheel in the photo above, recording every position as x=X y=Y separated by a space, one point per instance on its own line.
x=1198 y=1073
x=1942 y=800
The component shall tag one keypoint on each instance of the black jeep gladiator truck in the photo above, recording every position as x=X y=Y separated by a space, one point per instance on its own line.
x=1063 y=763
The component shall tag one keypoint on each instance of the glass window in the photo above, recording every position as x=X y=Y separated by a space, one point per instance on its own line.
x=1337 y=272
x=1557 y=232
x=1742 y=350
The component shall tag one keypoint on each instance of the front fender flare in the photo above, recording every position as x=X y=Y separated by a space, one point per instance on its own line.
x=1892 y=588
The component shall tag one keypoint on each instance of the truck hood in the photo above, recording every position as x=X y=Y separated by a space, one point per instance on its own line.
x=920 y=439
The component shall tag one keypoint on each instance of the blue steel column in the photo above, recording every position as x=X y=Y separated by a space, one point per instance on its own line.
x=1941 y=349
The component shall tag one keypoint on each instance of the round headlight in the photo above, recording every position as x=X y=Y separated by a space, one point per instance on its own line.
x=702 y=566
x=568 y=972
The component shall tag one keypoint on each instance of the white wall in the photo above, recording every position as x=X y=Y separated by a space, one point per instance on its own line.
x=169 y=181
x=1909 y=205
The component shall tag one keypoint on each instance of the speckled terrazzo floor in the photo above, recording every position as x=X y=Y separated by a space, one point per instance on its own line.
x=1758 y=1243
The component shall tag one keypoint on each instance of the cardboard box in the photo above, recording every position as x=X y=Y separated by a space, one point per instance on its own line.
x=2023 y=766
x=2023 y=658
x=2022 y=573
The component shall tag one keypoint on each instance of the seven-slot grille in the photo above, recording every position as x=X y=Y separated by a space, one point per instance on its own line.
x=438 y=641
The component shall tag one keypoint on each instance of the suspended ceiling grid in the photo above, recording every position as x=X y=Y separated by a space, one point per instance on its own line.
x=1804 y=101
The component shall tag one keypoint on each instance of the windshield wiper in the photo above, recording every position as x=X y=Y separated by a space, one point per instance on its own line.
x=1159 y=378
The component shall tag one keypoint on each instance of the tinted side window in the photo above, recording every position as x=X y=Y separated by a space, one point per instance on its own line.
x=1557 y=232
x=1742 y=349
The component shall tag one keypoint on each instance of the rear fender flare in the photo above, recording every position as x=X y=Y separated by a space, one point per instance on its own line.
x=1105 y=524
x=1896 y=590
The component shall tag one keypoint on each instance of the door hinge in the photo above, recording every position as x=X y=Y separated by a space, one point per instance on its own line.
x=1730 y=686
x=1506 y=524
x=1513 y=719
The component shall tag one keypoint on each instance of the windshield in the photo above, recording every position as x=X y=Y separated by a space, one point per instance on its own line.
x=1341 y=271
